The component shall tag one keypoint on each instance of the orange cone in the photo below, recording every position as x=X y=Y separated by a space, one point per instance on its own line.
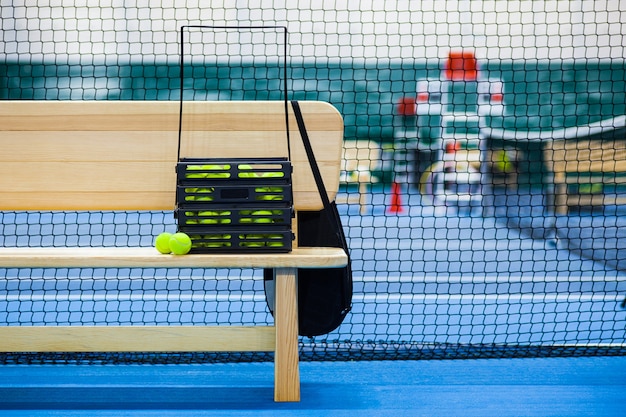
x=395 y=205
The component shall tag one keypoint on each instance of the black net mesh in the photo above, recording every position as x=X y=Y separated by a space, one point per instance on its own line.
x=472 y=232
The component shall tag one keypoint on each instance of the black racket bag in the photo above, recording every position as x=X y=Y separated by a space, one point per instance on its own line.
x=324 y=295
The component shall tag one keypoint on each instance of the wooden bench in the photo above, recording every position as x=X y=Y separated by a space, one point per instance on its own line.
x=121 y=156
x=584 y=169
x=358 y=160
x=588 y=164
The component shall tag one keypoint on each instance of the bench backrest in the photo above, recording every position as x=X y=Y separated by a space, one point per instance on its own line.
x=600 y=156
x=121 y=155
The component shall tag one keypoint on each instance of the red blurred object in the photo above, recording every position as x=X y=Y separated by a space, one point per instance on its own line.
x=497 y=97
x=406 y=106
x=422 y=97
x=461 y=66
x=452 y=147
x=395 y=205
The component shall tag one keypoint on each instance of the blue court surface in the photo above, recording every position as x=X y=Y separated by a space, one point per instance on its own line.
x=539 y=387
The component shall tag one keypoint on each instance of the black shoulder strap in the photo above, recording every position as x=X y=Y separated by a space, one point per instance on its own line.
x=332 y=214
x=310 y=155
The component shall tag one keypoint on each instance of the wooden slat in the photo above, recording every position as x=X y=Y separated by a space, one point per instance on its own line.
x=231 y=120
x=588 y=178
x=571 y=145
x=97 y=133
x=95 y=122
x=586 y=165
x=165 y=200
x=62 y=109
x=137 y=338
x=73 y=185
x=608 y=154
x=161 y=115
x=144 y=257
x=88 y=201
x=594 y=156
x=592 y=199
x=68 y=146
x=100 y=176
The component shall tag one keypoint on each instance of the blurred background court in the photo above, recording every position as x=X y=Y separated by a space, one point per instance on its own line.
x=509 y=277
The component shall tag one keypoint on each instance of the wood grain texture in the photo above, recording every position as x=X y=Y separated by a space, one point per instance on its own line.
x=145 y=257
x=286 y=365
x=121 y=155
x=136 y=338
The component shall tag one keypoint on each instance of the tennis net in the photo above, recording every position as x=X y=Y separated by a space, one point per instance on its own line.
x=458 y=245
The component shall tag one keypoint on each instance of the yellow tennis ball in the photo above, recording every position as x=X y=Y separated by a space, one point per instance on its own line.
x=246 y=167
x=273 y=174
x=502 y=162
x=180 y=243
x=251 y=241
x=208 y=217
x=275 y=241
x=258 y=219
x=190 y=174
x=216 y=171
x=162 y=242
x=270 y=197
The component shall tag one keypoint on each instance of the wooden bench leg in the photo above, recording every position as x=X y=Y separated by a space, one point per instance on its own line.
x=363 y=197
x=286 y=364
x=560 y=194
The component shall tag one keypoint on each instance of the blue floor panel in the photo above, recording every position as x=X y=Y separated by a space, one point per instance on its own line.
x=505 y=387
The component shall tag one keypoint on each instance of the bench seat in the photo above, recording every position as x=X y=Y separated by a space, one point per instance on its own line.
x=143 y=257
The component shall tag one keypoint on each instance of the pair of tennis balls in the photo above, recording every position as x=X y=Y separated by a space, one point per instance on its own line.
x=177 y=243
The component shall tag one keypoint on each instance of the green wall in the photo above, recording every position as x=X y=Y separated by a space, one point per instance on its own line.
x=539 y=94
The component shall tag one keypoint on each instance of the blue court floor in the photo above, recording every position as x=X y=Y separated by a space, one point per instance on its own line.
x=485 y=387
